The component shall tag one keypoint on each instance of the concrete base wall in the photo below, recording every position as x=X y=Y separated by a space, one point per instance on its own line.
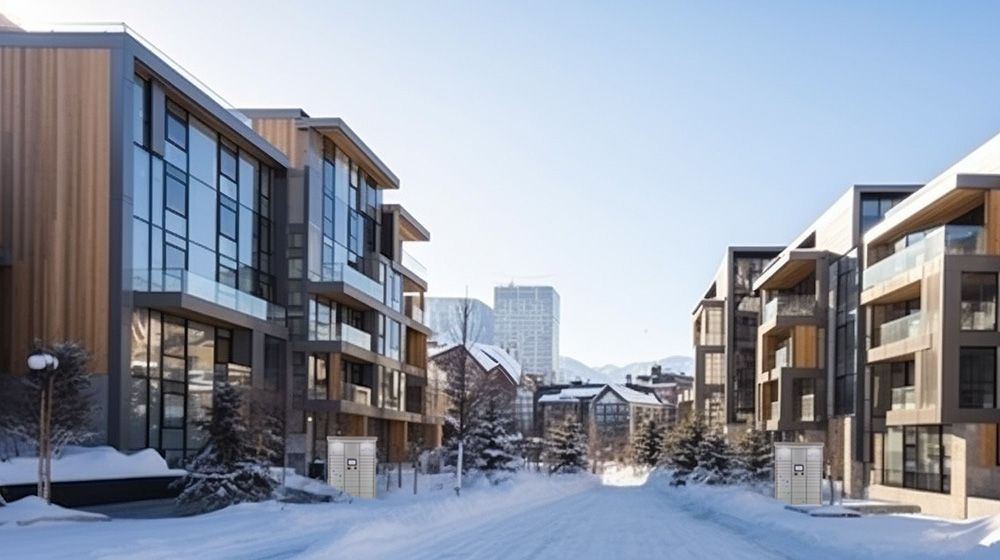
x=982 y=507
x=931 y=503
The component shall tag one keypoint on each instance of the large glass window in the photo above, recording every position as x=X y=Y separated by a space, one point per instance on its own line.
x=714 y=372
x=977 y=377
x=979 y=301
x=916 y=457
x=844 y=283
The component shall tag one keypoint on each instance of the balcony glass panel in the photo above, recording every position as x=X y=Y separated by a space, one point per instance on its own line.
x=904 y=398
x=413 y=265
x=171 y=280
x=796 y=305
x=945 y=240
x=342 y=272
x=782 y=357
x=355 y=336
x=357 y=394
x=900 y=329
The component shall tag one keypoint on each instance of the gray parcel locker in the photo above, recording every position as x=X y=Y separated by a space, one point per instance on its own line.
x=798 y=473
x=351 y=465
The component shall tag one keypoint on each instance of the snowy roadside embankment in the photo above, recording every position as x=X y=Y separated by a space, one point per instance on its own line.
x=88 y=463
x=32 y=509
x=886 y=537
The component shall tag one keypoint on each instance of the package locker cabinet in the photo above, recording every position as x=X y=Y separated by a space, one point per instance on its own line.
x=798 y=473
x=351 y=465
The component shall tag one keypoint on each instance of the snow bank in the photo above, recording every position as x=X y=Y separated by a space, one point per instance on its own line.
x=883 y=536
x=88 y=463
x=32 y=509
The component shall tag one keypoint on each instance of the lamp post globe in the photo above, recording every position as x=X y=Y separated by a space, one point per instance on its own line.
x=38 y=361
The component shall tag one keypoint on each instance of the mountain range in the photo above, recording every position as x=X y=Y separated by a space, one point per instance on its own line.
x=573 y=369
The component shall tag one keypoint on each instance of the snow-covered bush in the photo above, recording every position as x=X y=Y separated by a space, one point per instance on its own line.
x=682 y=449
x=714 y=459
x=566 y=449
x=753 y=458
x=494 y=443
x=228 y=470
x=648 y=445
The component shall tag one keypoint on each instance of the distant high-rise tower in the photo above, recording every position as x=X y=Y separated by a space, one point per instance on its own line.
x=527 y=326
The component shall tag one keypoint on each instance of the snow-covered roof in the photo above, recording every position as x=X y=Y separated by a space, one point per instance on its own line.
x=571 y=394
x=488 y=356
x=633 y=396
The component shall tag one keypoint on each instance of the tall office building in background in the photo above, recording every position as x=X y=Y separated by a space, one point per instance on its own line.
x=444 y=317
x=527 y=326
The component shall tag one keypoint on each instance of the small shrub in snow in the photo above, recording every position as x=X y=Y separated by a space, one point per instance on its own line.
x=228 y=470
x=566 y=449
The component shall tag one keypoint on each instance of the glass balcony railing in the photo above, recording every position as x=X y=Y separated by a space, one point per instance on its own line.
x=355 y=336
x=178 y=280
x=342 y=272
x=782 y=357
x=357 y=394
x=904 y=398
x=945 y=240
x=789 y=306
x=899 y=329
x=775 y=410
x=413 y=265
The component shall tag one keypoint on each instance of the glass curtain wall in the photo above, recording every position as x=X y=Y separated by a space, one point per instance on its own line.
x=344 y=217
x=204 y=207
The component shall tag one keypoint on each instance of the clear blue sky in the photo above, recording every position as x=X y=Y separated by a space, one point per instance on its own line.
x=611 y=150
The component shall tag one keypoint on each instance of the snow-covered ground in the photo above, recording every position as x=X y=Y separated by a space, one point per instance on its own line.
x=534 y=516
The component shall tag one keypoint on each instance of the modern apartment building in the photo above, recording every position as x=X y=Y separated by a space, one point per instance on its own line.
x=808 y=346
x=185 y=244
x=354 y=298
x=141 y=217
x=527 y=326
x=725 y=340
x=444 y=315
x=929 y=299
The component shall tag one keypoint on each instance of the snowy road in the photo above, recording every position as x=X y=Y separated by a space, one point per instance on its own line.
x=577 y=518
x=603 y=522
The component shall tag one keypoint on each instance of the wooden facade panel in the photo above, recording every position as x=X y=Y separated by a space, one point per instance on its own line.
x=284 y=135
x=55 y=131
x=805 y=352
x=993 y=222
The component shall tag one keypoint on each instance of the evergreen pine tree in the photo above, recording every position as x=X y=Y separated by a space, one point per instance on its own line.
x=714 y=459
x=493 y=441
x=566 y=450
x=227 y=470
x=754 y=457
x=682 y=444
x=648 y=445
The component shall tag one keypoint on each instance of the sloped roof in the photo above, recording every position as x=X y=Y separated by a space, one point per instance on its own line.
x=633 y=396
x=489 y=358
x=571 y=394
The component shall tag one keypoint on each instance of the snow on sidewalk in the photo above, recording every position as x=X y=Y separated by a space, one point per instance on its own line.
x=885 y=537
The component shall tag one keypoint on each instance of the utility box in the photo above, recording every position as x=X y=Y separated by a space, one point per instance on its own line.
x=798 y=473
x=350 y=465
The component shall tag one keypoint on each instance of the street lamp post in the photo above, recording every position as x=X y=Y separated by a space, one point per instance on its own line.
x=45 y=366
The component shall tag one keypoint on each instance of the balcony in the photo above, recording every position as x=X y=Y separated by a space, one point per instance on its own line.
x=413 y=265
x=413 y=309
x=900 y=329
x=789 y=306
x=354 y=336
x=945 y=240
x=176 y=280
x=904 y=398
x=357 y=394
x=342 y=272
